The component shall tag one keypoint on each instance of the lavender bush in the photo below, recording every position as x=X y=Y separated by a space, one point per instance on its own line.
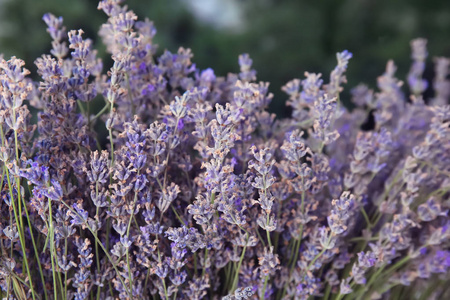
x=201 y=193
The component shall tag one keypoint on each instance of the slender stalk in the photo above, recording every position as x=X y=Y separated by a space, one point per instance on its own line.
x=88 y=108
x=260 y=238
x=101 y=246
x=366 y=217
x=19 y=201
x=386 y=275
x=277 y=234
x=268 y=215
x=296 y=243
x=65 y=273
x=299 y=240
x=266 y=279
x=361 y=238
x=177 y=215
x=195 y=263
x=378 y=214
x=111 y=141
x=327 y=292
x=100 y=113
x=146 y=280
x=14 y=275
x=317 y=257
x=165 y=289
x=97 y=256
x=8 y=279
x=236 y=276
x=204 y=267
x=80 y=105
x=228 y=270
x=21 y=233
x=50 y=234
x=128 y=235
x=58 y=273
x=162 y=279
x=35 y=249
x=8 y=283
x=53 y=256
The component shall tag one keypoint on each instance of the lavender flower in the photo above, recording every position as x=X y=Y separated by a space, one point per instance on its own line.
x=201 y=193
x=419 y=54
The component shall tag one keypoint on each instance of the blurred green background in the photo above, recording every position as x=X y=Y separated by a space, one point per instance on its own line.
x=285 y=38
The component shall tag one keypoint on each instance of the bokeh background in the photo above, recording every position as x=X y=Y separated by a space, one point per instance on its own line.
x=285 y=38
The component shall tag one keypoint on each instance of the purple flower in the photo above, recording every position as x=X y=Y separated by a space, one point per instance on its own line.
x=79 y=217
x=165 y=203
x=54 y=191
x=180 y=124
x=207 y=75
x=148 y=90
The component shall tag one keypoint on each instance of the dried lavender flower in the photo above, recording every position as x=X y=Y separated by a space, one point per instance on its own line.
x=201 y=193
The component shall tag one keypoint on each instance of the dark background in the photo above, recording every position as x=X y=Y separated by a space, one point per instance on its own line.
x=284 y=38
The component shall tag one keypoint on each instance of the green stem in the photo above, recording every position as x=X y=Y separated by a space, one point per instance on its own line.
x=111 y=141
x=260 y=238
x=177 y=215
x=262 y=297
x=35 y=249
x=19 y=203
x=297 y=243
x=162 y=279
x=65 y=273
x=100 y=113
x=204 y=267
x=101 y=246
x=128 y=234
x=366 y=217
x=21 y=232
x=20 y=279
x=88 y=114
x=277 y=234
x=316 y=258
x=96 y=249
x=165 y=289
x=80 y=105
x=8 y=285
x=236 y=276
x=268 y=214
x=361 y=238
x=195 y=263
x=146 y=280
x=228 y=269
x=386 y=275
x=50 y=234
x=327 y=292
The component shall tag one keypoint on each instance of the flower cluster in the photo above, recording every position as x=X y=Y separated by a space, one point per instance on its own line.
x=200 y=193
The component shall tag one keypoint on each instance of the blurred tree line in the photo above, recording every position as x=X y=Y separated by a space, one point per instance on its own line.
x=284 y=38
